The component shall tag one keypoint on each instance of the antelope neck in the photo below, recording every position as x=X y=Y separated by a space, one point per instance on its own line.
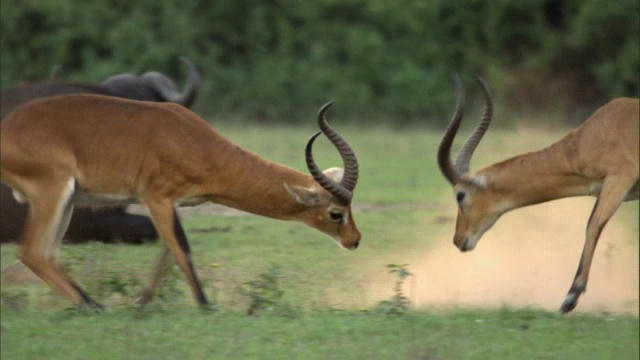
x=537 y=177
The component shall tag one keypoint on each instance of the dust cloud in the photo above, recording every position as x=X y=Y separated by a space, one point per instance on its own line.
x=528 y=259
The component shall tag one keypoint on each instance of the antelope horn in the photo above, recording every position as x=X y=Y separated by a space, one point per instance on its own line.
x=343 y=191
x=444 y=150
x=463 y=161
x=167 y=88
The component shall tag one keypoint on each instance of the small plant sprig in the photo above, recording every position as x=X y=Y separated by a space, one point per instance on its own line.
x=116 y=283
x=399 y=303
x=169 y=290
x=18 y=299
x=263 y=293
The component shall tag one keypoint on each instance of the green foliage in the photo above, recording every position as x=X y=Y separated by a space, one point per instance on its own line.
x=607 y=36
x=116 y=284
x=399 y=303
x=265 y=294
x=14 y=298
x=170 y=289
x=280 y=60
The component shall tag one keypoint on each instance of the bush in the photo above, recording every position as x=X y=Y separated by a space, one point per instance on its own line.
x=280 y=60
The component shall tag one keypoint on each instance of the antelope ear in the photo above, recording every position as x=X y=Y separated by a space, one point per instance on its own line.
x=305 y=196
x=334 y=173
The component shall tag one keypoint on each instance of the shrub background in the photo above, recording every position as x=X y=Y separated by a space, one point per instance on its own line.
x=383 y=61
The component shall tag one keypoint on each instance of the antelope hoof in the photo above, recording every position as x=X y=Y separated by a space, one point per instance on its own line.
x=139 y=302
x=92 y=307
x=569 y=302
x=209 y=307
x=144 y=298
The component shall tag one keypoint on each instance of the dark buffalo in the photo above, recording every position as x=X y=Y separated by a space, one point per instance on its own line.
x=104 y=224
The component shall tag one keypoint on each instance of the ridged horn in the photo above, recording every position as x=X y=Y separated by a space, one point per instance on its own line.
x=444 y=150
x=342 y=191
x=463 y=161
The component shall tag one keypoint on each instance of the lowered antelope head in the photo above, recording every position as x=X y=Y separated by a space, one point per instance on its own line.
x=328 y=201
x=478 y=204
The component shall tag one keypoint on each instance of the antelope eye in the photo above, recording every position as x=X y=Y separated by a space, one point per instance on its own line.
x=335 y=216
x=460 y=196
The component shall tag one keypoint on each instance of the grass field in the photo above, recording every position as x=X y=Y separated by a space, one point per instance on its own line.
x=316 y=301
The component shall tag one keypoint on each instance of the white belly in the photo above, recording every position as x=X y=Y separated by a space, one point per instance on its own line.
x=82 y=198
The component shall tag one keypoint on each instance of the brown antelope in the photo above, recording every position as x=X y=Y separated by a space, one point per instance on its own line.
x=106 y=224
x=599 y=158
x=91 y=149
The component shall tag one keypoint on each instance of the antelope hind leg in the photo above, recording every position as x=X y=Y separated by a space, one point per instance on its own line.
x=45 y=226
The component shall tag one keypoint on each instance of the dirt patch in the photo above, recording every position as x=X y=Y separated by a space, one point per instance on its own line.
x=529 y=258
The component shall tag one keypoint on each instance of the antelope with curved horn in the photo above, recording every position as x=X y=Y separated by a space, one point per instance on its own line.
x=106 y=224
x=599 y=158
x=94 y=149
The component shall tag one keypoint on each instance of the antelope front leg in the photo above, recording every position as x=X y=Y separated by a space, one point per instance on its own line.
x=170 y=230
x=613 y=192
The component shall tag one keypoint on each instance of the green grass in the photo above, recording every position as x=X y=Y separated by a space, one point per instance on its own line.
x=326 y=313
x=191 y=334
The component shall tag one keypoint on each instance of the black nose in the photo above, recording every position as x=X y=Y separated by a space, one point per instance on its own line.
x=355 y=246
x=463 y=247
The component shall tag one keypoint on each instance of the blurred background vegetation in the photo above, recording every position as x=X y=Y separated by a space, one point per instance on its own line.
x=381 y=61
